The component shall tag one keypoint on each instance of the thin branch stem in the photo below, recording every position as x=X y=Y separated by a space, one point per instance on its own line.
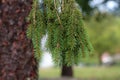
x=34 y=14
x=57 y=14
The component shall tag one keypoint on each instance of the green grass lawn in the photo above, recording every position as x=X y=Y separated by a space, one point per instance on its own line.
x=85 y=73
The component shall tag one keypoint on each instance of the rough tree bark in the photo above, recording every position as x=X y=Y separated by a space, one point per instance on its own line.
x=16 y=52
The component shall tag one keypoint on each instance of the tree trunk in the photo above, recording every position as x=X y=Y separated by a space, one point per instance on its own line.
x=67 y=71
x=16 y=50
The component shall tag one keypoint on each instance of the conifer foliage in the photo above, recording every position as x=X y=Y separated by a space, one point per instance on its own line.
x=62 y=21
x=36 y=29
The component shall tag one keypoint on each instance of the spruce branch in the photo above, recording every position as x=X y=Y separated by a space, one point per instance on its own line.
x=57 y=14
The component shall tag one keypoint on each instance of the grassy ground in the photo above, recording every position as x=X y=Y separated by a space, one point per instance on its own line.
x=85 y=73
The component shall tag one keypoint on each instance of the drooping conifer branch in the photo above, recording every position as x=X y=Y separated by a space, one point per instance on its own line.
x=68 y=44
x=37 y=28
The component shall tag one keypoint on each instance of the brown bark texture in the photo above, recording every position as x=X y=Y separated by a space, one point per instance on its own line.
x=16 y=52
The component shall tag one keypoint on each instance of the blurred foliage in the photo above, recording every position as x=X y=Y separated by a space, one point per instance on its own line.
x=84 y=5
x=103 y=28
x=89 y=10
x=104 y=33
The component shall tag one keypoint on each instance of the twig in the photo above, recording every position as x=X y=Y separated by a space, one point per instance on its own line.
x=57 y=13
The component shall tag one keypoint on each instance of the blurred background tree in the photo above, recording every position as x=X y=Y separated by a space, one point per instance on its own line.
x=90 y=7
x=104 y=34
x=100 y=19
